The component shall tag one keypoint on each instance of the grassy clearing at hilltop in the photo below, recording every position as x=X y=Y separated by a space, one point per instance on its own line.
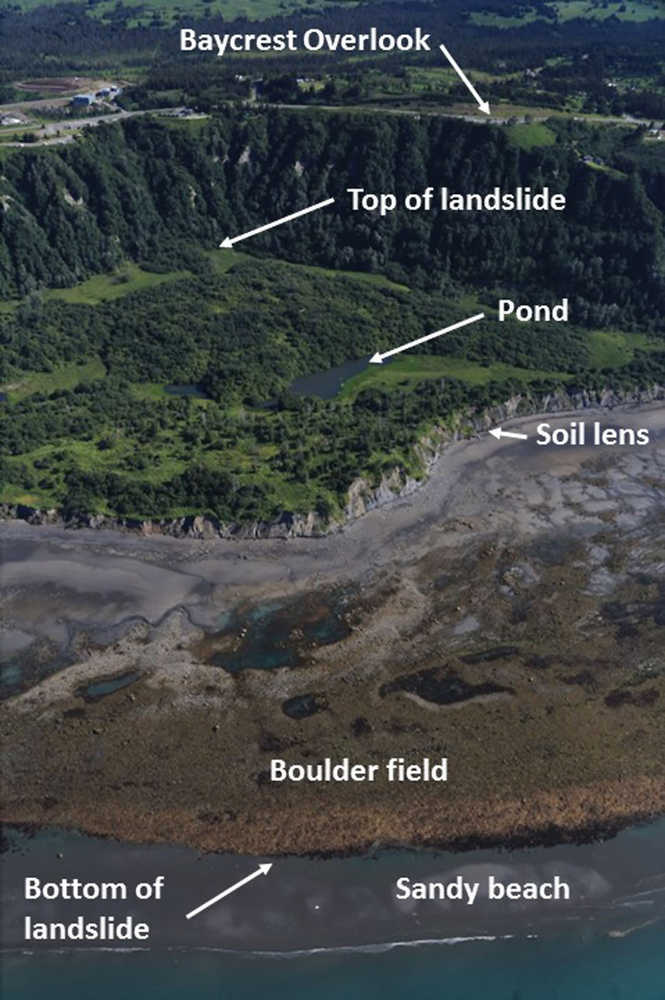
x=531 y=135
x=223 y=260
x=618 y=175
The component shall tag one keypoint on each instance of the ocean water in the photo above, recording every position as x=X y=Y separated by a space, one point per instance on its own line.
x=579 y=966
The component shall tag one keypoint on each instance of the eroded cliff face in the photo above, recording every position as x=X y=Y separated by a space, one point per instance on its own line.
x=363 y=495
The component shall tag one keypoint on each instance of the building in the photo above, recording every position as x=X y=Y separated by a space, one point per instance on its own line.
x=82 y=100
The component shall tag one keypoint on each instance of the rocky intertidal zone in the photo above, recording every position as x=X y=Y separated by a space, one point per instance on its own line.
x=363 y=495
x=508 y=616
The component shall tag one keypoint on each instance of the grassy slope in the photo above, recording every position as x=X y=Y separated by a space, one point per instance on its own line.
x=65 y=377
x=105 y=287
x=531 y=135
x=409 y=369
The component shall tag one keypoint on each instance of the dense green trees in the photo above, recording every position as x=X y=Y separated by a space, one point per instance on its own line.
x=246 y=334
x=315 y=446
x=161 y=193
x=145 y=188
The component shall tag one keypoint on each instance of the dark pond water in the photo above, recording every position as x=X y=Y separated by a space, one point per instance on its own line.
x=324 y=384
x=302 y=706
x=327 y=384
x=185 y=390
x=442 y=687
x=11 y=677
x=107 y=685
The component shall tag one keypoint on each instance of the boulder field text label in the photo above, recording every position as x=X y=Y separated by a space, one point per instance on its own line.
x=396 y=769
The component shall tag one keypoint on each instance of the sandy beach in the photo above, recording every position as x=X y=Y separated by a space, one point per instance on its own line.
x=304 y=904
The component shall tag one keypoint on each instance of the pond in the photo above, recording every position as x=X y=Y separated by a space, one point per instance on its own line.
x=186 y=390
x=325 y=384
x=328 y=383
x=107 y=685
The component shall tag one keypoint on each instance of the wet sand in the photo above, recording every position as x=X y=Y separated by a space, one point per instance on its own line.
x=307 y=904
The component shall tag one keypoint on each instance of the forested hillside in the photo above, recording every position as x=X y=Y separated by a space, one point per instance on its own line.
x=94 y=34
x=145 y=189
x=88 y=366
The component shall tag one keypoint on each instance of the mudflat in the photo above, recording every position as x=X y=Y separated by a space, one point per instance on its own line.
x=508 y=615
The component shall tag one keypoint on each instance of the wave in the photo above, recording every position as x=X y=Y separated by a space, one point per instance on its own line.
x=382 y=947
x=376 y=948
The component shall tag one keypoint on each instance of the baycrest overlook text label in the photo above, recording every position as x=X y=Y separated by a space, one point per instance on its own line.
x=312 y=40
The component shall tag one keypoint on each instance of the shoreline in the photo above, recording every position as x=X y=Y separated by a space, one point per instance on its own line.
x=267 y=827
x=593 y=833
x=335 y=904
x=362 y=497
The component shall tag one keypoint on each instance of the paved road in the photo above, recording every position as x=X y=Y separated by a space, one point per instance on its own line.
x=56 y=133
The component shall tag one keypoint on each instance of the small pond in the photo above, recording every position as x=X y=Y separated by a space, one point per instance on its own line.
x=328 y=383
x=104 y=686
x=186 y=390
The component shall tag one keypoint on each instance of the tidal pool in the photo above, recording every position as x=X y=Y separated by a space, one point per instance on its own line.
x=277 y=633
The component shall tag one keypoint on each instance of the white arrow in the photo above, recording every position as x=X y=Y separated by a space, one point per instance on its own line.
x=261 y=870
x=498 y=433
x=230 y=240
x=378 y=358
x=484 y=106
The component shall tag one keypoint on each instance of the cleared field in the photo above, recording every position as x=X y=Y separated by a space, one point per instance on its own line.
x=531 y=135
x=66 y=377
x=600 y=10
x=569 y=10
x=168 y=11
x=405 y=372
x=611 y=349
x=105 y=287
